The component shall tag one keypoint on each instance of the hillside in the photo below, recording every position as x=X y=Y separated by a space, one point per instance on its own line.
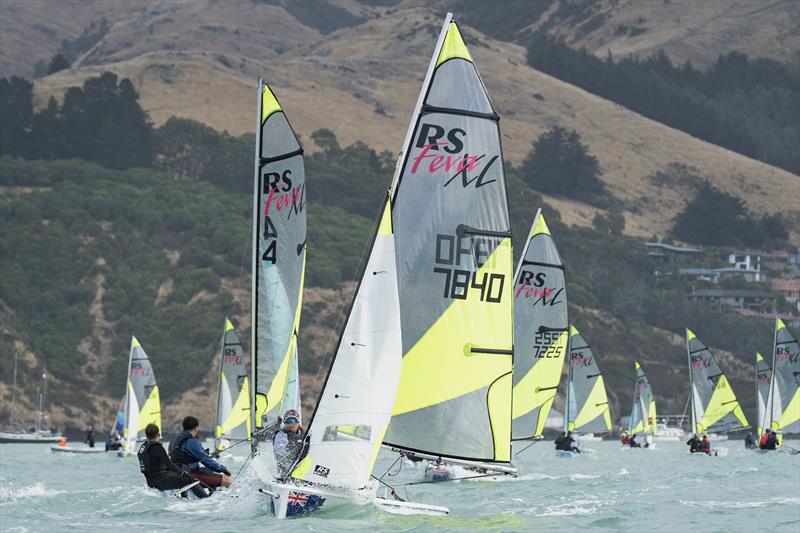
x=364 y=81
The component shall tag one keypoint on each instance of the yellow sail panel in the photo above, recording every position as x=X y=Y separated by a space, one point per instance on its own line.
x=498 y=400
x=302 y=468
x=240 y=412
x=722 y=402
x=791 y=413
x=538 y=386
x=637 y=428
x=150 y=412
x=651 y=417
x=453 y=46
x=465 y=324
x=596 y=404
x=269 y=104
x=385 y=227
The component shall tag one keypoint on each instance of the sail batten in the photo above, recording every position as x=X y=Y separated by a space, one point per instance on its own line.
x=279 y=255
x=454 y=268
x=714 y=404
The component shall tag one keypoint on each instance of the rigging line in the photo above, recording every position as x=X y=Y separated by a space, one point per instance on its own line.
x=392 y=489
x=249 y=456
x=399 y=457
x=231 y=446
x=526 y=447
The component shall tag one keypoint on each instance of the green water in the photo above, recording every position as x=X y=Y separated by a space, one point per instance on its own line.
x=664 y=489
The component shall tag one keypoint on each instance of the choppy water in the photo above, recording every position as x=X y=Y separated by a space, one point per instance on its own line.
x=664 y=489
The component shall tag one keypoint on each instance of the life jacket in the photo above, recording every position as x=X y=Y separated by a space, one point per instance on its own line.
x=178 y=455
x=704 y=446
x=146 y=464
x=762 y=443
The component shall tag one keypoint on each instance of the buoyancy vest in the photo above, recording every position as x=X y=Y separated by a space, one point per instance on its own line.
x=178 y=455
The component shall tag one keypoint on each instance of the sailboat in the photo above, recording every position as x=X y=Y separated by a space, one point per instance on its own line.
x=37 y=434
x=783 y=398
x=278 y=267
x=541 y=331
x=763 y=380
x=233 y=393
x=714 y=404
x=142 y=400
x=586 y=408
x=643 y=410
x=428 y=340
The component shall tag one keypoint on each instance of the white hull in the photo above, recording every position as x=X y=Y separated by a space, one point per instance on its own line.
x=84 y=450
x=584 y=451
x=28 y=438
x=294 y=501
x=667 y=438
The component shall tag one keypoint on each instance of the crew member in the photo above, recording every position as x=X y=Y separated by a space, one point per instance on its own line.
x=749 y=443
x=288 y=443
x=570 y=444
x=158 y=470
x=693 y=443
x=632 y=442
x=704 y=446
x=187 y=450
x=772 y=441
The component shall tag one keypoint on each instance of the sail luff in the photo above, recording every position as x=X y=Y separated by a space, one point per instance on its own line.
x=689 y=336
x=254 y=267
x=218 y=417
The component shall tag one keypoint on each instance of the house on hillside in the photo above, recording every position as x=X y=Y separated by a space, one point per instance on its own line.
x=789 y=289
x=758 y=301
x=746 y=264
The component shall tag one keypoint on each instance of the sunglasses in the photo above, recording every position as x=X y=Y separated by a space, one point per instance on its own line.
x=291 y=420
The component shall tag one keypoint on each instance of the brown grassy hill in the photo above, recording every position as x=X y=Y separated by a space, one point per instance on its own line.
x=697 y=31
x=362 y=83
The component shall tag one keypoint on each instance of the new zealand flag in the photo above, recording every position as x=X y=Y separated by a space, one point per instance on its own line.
x=300 y=503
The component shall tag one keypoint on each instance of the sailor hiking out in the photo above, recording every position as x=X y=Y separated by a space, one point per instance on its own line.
x=159 y=472
x=288 y=443
x=187 y=450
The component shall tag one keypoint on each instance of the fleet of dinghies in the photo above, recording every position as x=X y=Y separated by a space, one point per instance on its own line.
x=447 y=353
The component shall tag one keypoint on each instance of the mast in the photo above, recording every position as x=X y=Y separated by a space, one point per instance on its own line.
x=217 y=421
x=254 y=273
x=769 y=413
x=127 y=399
x=569 y=380
x=14 y=394
x=691 y=382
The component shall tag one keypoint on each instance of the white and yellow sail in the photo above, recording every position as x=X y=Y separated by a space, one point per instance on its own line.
x=783 y=401
x=233 y=392
x=587 y=409
x=142 y=402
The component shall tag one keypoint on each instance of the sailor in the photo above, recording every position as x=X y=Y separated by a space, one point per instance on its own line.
x=288 y=443
x=114 y=441
x=187 y=450
x=749 y=443
x=762 y=441
x=772 y=441
x=648 y=440
x=570 y=444
x=560 y=441
x=693 y=443
x=90 y=437
x=158 y=470
x=632 y=442
x=624 y=439
x=704 y=446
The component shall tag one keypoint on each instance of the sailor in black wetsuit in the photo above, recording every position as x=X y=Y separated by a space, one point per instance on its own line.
x=158 y=470
x=694 y=443
x=560 y=441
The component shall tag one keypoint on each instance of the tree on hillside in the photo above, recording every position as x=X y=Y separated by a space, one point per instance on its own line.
x=16 y=110
x=561 y=164
x=57 y=62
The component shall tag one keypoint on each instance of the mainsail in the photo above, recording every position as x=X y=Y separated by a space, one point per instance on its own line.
x=454 y=268
x=783 y=408
x=763 y=379
x=279 y=256
x=233 y=392
x=714 y=404
x=587 y=408
x=643 y=412
x=541 y=331
x=142 y=401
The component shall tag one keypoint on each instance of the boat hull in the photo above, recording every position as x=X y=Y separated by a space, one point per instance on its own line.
x=67 y=449
x=28 y=438
x=294 y=501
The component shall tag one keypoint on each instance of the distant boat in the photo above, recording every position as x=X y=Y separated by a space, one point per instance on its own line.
x=36 y=434
x=233 y=393
x=587 y=410
x=541 y=331
x=142 y=400
x=783 y=399
x=763 y=381
x=715 y=408
x=278 y=267
x=643 y=410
